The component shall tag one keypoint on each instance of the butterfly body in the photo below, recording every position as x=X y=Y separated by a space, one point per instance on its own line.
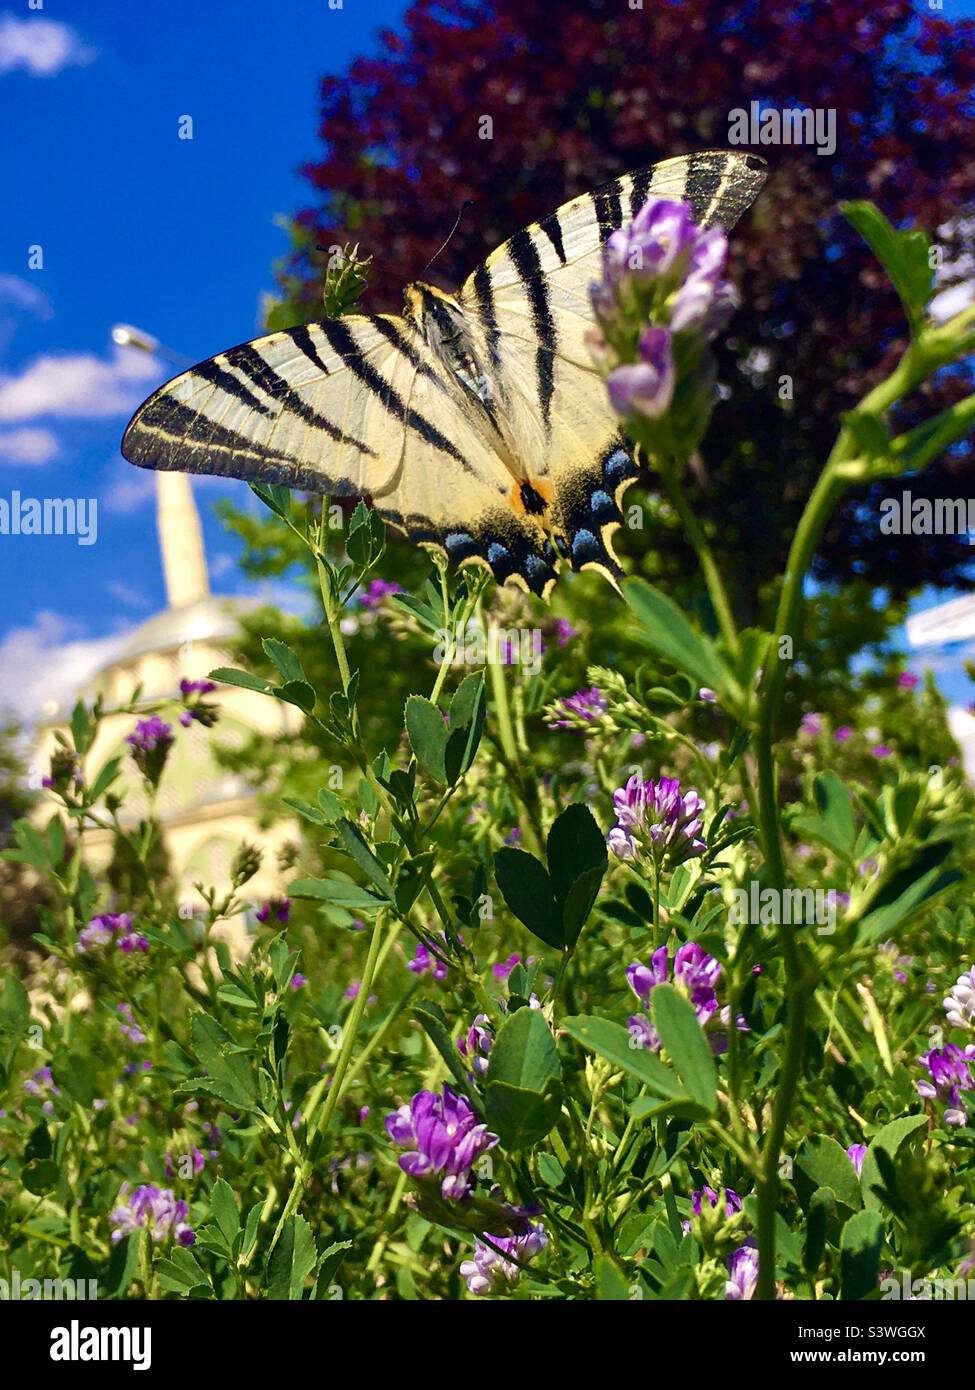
x=476 y=422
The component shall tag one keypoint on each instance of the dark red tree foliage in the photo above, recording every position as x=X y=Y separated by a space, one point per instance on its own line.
x=582 y=90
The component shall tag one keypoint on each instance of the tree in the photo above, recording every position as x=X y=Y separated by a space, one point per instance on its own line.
x=517 y=108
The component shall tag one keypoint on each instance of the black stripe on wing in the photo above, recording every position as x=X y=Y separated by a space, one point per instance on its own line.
x=248 y=360
x=608 y=202
x=551 y=227
x=484 y=291
x=524 y=257
x=344 y=343
x=216 y=375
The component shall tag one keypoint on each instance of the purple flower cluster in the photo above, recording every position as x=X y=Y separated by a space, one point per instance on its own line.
x=111 y=927
x=960 y=1002
x=377 y=591
x=192 y=693
x=489 y=1269
x=151 y=1208
x=697 y=976
x=42 y=1084
x=66 y=772
x=277 y=908
x=731 y=1205
x=475 y=1046
x=950 y=1072
x=424 y=960
x=578 y=710
x=658 y=818
x=662 y=298
x=128 y=1026
x=445 y=1139
x=150 y=742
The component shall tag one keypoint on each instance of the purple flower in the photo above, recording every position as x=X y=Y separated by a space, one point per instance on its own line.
x=192 y=693
x=880 y=751
x=907 y=680
x=843 y=733
x=66 y=772
x=107 y=928
x=503 y=968
x=150 y=742
x=423 y=961
x=856 y=1153
x=445 y=1139
x=960 y=1003
x=278 y=908
x=645 y=388
x=732 y=1200
x=742 y=1278
x=580 y=709
x=376 y=591
x=487 y=1270
x=476 y=1046
x=564 y=632
x=696 y=975
x=658 y=817
x=298 y=981
x=950 y=1071
x=812 y=724
x=153 y=1208
x=708 y=695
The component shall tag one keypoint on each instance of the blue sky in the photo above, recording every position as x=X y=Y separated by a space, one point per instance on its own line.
x=137 y=225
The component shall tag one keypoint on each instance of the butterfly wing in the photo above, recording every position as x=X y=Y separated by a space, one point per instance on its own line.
x=529 y=307
x=357 y=406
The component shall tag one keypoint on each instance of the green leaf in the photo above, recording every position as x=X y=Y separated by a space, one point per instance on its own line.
x=524 y=1052
x=520 y=1117
x=428 y=736
x=298 y=693
x=822 y=1205
x=229 y=676
x=411 y=879
x=355 y=843
x=908 y=890
x=225 y=1211
x=860 y=1244
x=328 y=1266
x=833 y=801
x=825 y=1164
x=465 y=723
x=611 y=1286
x=615 y=1043
x=577 y=861
x=903 y=254
x=288 y=666
x=683 y=1037
x=668 y=632
x=341 y=892
x=275 y=497
x=889 y=1139
x=181 y=1272
x=527 y=889
x=292 y=1260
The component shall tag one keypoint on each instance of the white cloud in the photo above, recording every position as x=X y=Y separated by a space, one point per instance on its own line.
x=41 y=47
x=31 y=446
x=78 y=384
x=126 y=489
x=43 y=666
x=131 y=595
x=18 y=293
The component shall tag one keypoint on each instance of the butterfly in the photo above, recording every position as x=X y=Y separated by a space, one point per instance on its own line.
x=476 y=422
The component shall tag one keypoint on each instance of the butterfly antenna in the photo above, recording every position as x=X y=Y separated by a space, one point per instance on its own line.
x=467 y=203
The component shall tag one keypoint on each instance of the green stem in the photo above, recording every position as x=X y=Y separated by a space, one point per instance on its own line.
x=670 y=477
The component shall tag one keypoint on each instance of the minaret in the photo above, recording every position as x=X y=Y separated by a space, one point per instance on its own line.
x=180 y=540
